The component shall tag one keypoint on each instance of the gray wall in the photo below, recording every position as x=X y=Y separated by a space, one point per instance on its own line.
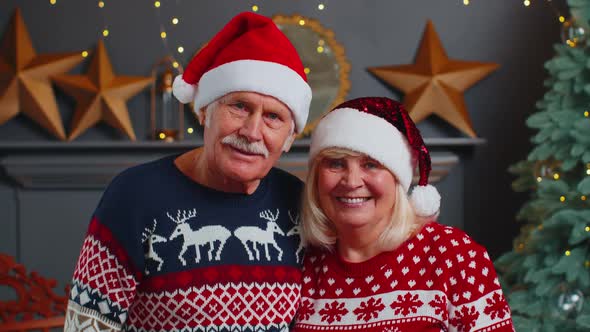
x=373 y=32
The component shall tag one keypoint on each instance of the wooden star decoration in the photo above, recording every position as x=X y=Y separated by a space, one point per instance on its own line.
x=25 y=84
x=434 y=84
x=101 y=96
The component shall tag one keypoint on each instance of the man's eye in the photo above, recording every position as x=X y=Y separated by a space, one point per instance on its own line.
x=240 y=106
x=273 y=116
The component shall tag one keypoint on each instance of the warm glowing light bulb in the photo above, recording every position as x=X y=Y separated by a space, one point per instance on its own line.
x=175 y=64
x=539 y=179
x=588 y=171
x=53 y=2
x=190 y=130
x=306 y=70
x=105 y=32
x=254 y=8
x=175 y=20
x=567 y=252
x=466 y=2
x=157 y=4
x=583 y=197
x=162 y=136
x=587 y=229
x=320 y=49
x=556 y=176
x=561 y=19
x=586 y=114
x=84 y=53
x=301 y=22
x=180 y=49
x=101 y=4
x=163 y=34
x=321 y=42
x=587 y=263
x=527 y=3
x=321 y=6
x=562 y=199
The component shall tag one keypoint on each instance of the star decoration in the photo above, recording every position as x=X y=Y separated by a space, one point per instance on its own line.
x=25 y=84
x=434 y=84
x=101 y=96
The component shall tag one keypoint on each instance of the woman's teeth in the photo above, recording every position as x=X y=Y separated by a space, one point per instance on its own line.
x=353 y=200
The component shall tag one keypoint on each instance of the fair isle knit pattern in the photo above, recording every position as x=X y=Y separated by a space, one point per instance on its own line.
x=438 y=280
x=163 y=253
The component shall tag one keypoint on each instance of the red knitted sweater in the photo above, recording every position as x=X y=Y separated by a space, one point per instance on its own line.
x=439 y=279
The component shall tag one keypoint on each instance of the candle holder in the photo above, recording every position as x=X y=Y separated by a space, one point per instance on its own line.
x=166 y=112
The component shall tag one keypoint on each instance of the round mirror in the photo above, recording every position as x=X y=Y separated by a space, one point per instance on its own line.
x=325 y=63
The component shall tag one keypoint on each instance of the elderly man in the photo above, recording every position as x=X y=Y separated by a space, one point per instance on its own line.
x=203 y=241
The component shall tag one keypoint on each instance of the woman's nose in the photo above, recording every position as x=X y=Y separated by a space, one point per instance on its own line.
x=353 y=176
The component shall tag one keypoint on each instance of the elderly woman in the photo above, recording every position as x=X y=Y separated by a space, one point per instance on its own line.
x=377 y=260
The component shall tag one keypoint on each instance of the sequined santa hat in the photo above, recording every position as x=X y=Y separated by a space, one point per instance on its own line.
x=382 y=129
x=251 y=54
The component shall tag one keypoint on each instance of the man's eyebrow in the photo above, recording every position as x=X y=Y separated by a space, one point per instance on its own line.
x=239 y=99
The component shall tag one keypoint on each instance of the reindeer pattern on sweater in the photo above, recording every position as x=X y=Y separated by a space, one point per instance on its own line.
x=164 y=253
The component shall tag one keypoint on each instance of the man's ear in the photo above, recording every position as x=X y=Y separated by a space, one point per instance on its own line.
x=289 y=142
x=201 y=114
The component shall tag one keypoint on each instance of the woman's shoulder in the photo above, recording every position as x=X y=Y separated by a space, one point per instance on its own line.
x=313 y=253
x=450 y=239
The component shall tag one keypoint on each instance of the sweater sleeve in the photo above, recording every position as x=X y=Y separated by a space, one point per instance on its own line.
x=476 y=299
x=106 y=274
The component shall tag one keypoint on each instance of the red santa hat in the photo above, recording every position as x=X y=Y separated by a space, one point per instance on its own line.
x=382 y=129
x=249 y=54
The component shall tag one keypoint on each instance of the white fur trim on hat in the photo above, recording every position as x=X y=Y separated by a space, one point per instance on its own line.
x=365 y=133
x=264 y=77
x=425 y=200
x=183 y=91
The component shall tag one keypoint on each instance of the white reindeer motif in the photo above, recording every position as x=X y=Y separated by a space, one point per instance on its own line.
x=258 y=235
x=200 y=237
x=296 y=230
x=151 y=238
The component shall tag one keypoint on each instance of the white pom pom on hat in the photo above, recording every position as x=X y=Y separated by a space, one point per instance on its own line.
x=425 y=200
x=382 y=129
x=184 y=92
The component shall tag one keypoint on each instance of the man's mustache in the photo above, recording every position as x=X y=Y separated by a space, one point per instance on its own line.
x=241 y=143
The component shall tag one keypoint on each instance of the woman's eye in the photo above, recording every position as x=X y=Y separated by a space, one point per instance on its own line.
x=335 y=163
x=273 y=116
x=372 y=165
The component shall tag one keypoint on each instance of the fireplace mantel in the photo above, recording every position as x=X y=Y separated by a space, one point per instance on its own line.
x=91 y=165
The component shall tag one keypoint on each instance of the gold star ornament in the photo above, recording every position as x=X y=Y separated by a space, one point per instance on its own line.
x=25 y=84
x=101 y=96
x=435 y=84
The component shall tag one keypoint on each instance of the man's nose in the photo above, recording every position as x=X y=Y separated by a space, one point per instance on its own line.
x=251 y=128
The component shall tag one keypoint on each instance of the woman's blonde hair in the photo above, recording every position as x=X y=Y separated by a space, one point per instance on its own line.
x=317 y=230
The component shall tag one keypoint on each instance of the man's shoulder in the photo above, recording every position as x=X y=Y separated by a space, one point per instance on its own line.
x=143 y=172
x=278 y=175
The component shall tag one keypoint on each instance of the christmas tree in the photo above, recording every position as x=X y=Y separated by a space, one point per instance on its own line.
x=547 y=275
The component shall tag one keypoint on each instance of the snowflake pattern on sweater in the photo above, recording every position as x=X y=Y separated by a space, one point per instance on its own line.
x=438 y=280
x=163 y=253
